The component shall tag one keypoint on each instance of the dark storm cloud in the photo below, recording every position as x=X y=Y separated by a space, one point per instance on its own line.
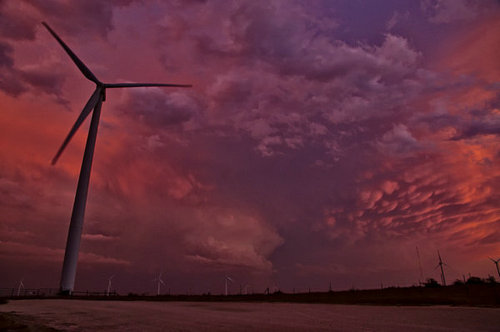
x=15 y=23
x=6 y=55
x=159 y=109
x=8 y=81
x=20 y=20
x=480 y=123
x=467 y=124
x=272 y=56
x=448 y=11
x=96 y=15
x=48 y=81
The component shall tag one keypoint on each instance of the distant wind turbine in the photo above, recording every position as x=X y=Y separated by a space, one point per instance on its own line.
x=77 y=216
x=109 y=285
x=246 y=289
x=440 y=264
x=419 y=266
x=226 y=280
x=21 y=285
x=275 y=288
x=496 y=264
x=160 y=282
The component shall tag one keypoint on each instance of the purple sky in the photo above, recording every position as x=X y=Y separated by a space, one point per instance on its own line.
x=322 y=141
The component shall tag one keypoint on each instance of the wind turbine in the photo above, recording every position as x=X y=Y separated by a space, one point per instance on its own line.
x=496 y=264
x=246 y=289
x=226 y=280
x=419 y=267
x=109 y=285
x=440 y=264
x=94 y=103
x=160 y=282
x=19 y=287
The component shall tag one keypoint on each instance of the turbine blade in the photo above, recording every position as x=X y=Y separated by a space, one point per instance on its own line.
x=85 y=71
x=139 y=85
x=91 y=103
x=162 y=281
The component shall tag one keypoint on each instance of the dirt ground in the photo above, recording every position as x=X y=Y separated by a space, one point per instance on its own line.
x=81 y=315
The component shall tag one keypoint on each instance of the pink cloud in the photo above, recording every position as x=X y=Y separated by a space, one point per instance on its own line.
x=389 y=187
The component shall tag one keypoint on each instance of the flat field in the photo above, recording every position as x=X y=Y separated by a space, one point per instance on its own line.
x=85 y=315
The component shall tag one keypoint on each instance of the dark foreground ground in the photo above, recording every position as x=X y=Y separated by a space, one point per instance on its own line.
x=453 y=308
x=86 y=315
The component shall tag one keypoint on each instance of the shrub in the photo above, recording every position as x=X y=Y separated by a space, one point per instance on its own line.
x=491 y=280
x=431 y=282
x=474 y=281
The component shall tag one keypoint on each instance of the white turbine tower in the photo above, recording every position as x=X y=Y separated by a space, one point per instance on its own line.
x=109 y=285
x=160 y=282
x=77 y=216
x=21 y=285
x=227 y=278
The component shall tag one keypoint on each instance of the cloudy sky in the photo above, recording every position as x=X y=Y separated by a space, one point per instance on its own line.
x=321 y=141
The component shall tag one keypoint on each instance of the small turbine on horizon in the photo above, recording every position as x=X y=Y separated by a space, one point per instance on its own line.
x=21 y=285
x=440 y=265
x=109 y=285
x=496 y=264
x=421 y=276
x=227 y=278
x=93 y=104
x=246 y=289
x=160 y=282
